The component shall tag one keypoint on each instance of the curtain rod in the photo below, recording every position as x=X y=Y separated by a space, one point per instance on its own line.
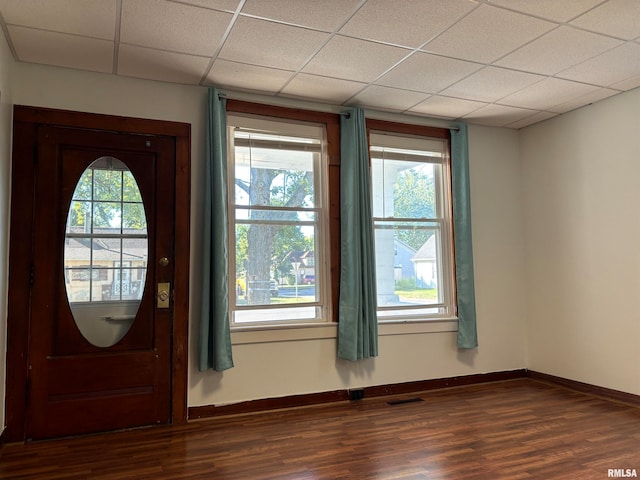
x=457 y=129
x=347 y=114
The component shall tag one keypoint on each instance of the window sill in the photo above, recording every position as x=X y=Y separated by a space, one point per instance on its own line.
x=303 y=332
x=283 y=333
x=410 y=327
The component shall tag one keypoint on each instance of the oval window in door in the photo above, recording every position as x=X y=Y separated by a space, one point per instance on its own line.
x=105 y=251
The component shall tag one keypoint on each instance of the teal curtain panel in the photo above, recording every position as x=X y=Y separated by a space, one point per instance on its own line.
x=467 y=330
x=358 y=323
x=215 y=335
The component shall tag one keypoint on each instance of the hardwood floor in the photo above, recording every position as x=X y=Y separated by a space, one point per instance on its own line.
x=517 y=429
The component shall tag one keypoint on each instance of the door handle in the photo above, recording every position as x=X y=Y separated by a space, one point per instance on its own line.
x=163 y=294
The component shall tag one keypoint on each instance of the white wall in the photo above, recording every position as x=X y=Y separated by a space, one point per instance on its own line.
x=290 y=367
x=286 y=368
x=581 y=176
x=272 y=365
x=6 y=65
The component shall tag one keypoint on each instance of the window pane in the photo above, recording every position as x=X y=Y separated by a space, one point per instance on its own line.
x=413 y=265
x=130 y=190
x=274 y=177
x=106 y=249
x=84 y=188
x=77 y=251
x=133 y=218
x=134 y=251
x=130 y=288
x=107 y=215
x=77 y=283
x=79 y=217
x=275 y=214
x=403 y=189
x=275 y=264
x=254 y=254
x=100 y=274
x=107 y=185
x=407 y=275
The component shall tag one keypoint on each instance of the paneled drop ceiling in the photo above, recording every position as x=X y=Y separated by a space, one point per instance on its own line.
x=495 y=62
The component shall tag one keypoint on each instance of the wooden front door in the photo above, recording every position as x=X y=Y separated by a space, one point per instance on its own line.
x=101 y=326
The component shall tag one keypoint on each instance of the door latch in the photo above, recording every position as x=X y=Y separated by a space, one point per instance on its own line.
x=163 y=295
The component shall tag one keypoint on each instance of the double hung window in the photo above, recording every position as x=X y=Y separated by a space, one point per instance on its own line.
x=278 y=221
x=411 y=190
x=284 y=223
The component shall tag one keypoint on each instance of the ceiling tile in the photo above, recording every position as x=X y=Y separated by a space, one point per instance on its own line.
x=354 y=59
x=172 y=26
x=247 y=77
x=491 y=84
x=558 y=50
x=144 y=62
x=519 y=56
x=487 y=34
x=530 y=120
x=226 y=5
x=583 y=100
x=271 y=44
x=547 y=93
x=446 y=107
x=618 y=18
x=498 y=115
x=312 y=87
x=628 y=84
x=59 y=49
x=91 y=18
x=325 y=15
x=612 y=67
x=385 y=98
x=427 y=73
x=411 y=25
x=557 y=11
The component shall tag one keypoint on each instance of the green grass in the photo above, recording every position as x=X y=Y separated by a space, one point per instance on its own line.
x=418 y=294
x=412 y=294
x=408 y=294
x=300 y=299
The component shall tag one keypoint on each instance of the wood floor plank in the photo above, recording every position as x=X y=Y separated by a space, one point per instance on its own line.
x=516 y=429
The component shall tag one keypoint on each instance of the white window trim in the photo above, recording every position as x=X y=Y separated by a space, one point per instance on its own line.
x=328 y=331
x=293 y=128
x=445 y=220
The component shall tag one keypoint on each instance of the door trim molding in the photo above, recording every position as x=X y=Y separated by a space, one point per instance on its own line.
x=26 y=121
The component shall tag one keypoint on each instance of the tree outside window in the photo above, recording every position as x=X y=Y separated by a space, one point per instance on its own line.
x=412 y=222
x=276 y=211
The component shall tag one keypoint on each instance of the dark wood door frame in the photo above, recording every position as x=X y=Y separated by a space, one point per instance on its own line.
x=26 y=121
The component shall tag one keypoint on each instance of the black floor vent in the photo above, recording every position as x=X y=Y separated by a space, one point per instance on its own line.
x=405 y=400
